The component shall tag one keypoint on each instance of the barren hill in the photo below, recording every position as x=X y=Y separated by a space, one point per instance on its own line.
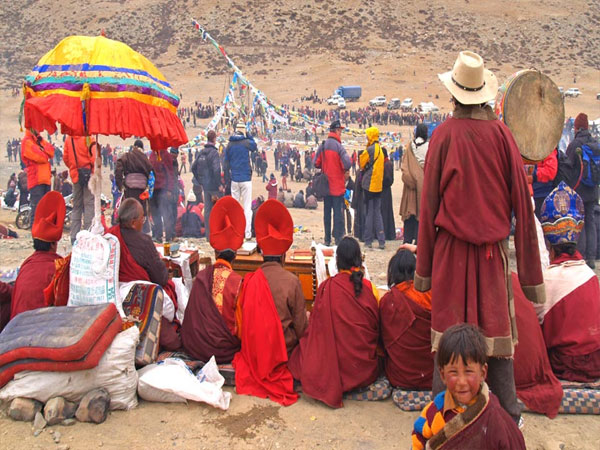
x=292 y=47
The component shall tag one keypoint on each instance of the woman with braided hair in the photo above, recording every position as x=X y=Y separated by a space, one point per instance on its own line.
x=338 y=352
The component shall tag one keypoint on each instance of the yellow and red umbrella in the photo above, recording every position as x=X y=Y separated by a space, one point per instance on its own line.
x=95 y=85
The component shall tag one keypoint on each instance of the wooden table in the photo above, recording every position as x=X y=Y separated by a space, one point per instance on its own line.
x=175 y=265
x=299 y=262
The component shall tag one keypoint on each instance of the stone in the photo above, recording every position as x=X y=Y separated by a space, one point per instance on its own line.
x=68 y=422
x=56 y=436
x=36 y=433
x=94 y=406
x=24 y=409
x=58 y=409
x=39 y=423
x=63 y=447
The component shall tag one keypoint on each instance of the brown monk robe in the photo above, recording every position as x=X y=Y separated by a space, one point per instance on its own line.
x=209 y=326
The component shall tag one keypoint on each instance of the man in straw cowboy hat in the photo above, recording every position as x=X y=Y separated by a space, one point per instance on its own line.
x=474 y=181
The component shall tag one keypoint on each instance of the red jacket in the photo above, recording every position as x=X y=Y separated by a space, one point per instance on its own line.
x=85 y=157
x=334 y=161
x=36 y=158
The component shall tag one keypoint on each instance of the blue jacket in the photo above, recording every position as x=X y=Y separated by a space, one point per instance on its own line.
x=237 y=157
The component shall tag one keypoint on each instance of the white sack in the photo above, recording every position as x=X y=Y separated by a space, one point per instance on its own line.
x=115 y=372
x=174 y=377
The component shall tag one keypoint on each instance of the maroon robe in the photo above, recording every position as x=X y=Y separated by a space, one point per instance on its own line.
x=130 y=270
x=536 y=384
x=571 y=326
x=205 y=331
x=338 y=352
x=406 y=334
x=34 y=276
x=5 y=302
x=483 y=425
x=474 y=180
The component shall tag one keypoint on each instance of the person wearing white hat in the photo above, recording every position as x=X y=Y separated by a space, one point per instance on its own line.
x=237 y=165
x=474 y=181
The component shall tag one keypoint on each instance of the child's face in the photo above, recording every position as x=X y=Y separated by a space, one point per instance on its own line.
x=463 y=380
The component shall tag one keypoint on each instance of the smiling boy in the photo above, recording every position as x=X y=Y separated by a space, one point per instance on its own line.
x=466 y=414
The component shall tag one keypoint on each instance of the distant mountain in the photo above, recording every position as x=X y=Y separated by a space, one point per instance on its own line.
x=550 y=35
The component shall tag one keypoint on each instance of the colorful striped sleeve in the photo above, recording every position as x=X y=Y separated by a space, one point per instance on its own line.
x=429 y=423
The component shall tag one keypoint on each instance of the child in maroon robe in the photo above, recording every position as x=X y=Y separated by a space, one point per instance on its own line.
x=466 y=415
x=37 y=271
x=209 y=327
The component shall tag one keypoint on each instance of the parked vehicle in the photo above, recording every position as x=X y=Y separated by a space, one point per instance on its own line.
x=333 y=100
x=598 y=96
x=426 y=107
x=341 y=104
x=572 y=92
x=349 y=93
x=394 y=103
x=407 y=104
x=377 y=101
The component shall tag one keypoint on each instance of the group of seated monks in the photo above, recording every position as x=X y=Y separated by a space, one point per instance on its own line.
x=260 y=323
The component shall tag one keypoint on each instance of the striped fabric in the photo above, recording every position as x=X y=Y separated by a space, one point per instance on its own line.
x=114 y=72
x=432 y=420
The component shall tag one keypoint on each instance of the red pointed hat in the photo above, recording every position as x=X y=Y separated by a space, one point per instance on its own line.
x=227 y=224
x=49 y=218
x=274 y=228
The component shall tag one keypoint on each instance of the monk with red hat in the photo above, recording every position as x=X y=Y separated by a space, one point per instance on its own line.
x=37 y=271
x=271 y=312
x=209 y=327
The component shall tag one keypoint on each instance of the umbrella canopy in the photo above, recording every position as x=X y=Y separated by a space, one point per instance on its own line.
x=95 y=85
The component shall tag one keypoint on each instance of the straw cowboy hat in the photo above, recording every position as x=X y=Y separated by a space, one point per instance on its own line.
x=468 y=81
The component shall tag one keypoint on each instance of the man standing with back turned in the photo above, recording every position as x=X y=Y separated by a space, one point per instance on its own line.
x=237 y=163
x=333 y=160
x=474 y=181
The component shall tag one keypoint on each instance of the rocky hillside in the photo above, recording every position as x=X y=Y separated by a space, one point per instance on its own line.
x=554 y=36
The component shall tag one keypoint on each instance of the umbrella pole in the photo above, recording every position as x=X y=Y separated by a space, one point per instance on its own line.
x=95 y=186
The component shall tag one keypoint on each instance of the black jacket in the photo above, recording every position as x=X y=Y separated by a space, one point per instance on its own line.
x=207 y=168
x=587 y=193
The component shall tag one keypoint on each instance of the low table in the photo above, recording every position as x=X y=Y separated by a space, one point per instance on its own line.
x=299 y=262
x=186 y=265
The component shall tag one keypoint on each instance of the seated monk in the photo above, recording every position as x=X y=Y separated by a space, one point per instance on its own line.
x=140 y=261
x=338 y=353
x=209 y=326
x=37 y=271
x=271 y=312
x=406 y=326
x=570 y=317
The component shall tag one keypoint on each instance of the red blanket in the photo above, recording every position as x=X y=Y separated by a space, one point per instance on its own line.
x=260 y=366
x=338 y=352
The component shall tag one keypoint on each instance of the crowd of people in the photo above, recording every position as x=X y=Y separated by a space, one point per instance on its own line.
x=454 y=319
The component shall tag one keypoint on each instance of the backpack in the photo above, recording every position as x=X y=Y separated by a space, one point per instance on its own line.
x=590 y=158
x=201 y=169
x=566 y=171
